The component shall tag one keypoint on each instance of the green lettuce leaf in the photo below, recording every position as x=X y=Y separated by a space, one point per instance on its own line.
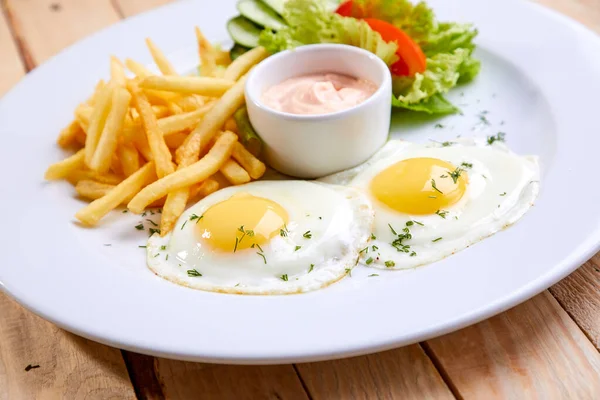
x=436 y=104
x=448 y=46
x=311 y=22
x=425 y=91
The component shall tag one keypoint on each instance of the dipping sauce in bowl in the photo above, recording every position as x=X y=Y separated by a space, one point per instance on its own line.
x=321 y=93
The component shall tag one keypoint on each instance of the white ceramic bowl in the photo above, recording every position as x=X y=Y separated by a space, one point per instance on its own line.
x=311 y=146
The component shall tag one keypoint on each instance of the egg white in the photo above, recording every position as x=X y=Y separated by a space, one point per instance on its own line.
x=339 y=219
x=501 y=187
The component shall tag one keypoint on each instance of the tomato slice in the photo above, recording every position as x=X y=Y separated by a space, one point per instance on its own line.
x=345 y=9
x=410 y=53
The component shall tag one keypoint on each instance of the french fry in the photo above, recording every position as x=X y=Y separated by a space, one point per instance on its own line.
x=63 y=168
x=190 y=103
x=92 y=213
x=83 y=114
x=115 y=165
x=251 y=164
x=138 y=69
x=203 y=189
x=97 y=121
x=205 y=86
x=213 y=121
x=117 y=71
x=130 y=159
x=160 y=60
x=157 y=97
x=222 y=57
x=80 y=138
x=175 y=109
x=175 y=140
x=180 y=122
x=87 y=175
x=184 y=177
x=92 y=190
x=68 y=136
x=243 y=63
x=172 y=210
x=160 y=152
x=235 y=174
x=160 y=111
x=206 y=52
x=114 y=124
x=140 y=140
x=230 y=125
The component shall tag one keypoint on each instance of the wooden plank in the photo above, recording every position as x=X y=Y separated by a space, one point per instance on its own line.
x=584 y=11
x=39 y=360
x=405 y=373
x=579 y=295
x=128 y=8
x=46 y=27
x=186 y=380
x=532 y=351
x=11 y=67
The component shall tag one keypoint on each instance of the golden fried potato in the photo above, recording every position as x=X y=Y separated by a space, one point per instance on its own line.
x=107 y=144
x=160 y=152
x=208 y=62
x=201 y=85
x=212 y=122
x=235 y=174
x=244 y=63
x=93 y=212
x=64 y=168
x=182 y=178
x=97 y=120
x=161 y=61
x=68 y=136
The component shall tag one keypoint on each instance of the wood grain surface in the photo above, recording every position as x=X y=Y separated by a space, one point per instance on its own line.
x=545 y=348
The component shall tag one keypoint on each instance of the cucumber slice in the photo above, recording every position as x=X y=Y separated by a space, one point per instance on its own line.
x=261 y=14
x=276 y=5
x=244 y=31
x=237 y=51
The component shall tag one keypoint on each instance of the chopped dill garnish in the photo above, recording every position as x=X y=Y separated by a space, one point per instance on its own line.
x=195 y=217
x=456 y=174
x=390 y=264
x=500 y=137
x=435 y=187
x=284 y=277
x=307 y=235
x=193 y=273
x=437 y=240
x=442 y=213
x=139 y=227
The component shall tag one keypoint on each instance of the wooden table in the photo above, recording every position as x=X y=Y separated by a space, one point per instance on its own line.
x=546 y=348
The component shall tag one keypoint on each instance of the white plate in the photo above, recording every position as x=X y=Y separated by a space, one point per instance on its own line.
x=541 y=76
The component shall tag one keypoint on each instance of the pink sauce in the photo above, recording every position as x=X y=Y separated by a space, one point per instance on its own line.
x=318 y=94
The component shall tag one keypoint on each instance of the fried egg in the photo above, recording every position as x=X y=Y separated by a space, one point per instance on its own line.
x=432 y=200
x=267 y=237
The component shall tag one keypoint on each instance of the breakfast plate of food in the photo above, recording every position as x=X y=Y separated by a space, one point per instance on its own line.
x=273 y=181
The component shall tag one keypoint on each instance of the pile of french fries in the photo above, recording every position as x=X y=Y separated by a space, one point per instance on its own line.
x=159 y=140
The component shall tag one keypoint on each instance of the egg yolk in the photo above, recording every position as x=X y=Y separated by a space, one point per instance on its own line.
x=240 y=222
x=419 y=186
